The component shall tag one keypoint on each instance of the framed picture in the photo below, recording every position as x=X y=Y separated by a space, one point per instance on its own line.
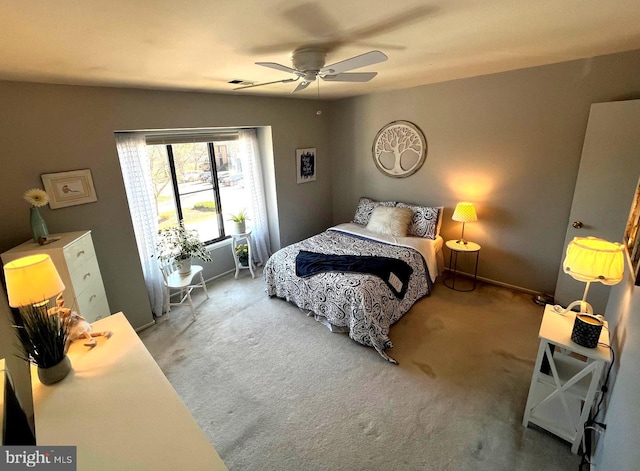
x=306 y=165
x=632 y=234
x=69 y=188
x=399 y=149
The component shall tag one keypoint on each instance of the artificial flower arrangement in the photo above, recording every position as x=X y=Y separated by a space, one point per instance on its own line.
x=179 y=243
x=36 y=197
x=242 y=252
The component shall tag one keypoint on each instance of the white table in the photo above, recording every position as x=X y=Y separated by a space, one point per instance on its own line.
x=235 y=240
x=560 y=400
x=457 y=248
x=119 y=409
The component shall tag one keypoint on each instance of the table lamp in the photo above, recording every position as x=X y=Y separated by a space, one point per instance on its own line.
x=591 y=259
x=32 y=280
x=464 y=212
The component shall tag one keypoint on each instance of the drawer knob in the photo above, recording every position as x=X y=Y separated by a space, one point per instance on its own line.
x=86 y=275
x=93 y=296
x=80 y=254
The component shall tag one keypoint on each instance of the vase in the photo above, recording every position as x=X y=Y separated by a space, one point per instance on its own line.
x=55 y=373
x=38 y=225
x=244 y=261
x=239 y=227
x=184 y=265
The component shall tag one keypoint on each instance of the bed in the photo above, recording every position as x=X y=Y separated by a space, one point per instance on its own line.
x=361 y=300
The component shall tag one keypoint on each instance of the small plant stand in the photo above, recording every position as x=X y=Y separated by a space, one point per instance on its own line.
x=235 y=240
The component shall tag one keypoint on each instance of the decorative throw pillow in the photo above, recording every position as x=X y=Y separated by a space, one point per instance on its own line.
x=366 y=207
x=426 y=220
x=390 y=221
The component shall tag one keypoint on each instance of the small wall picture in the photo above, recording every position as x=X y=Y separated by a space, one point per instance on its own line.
x=69 y=188
x=306 y=165
x=632 y=234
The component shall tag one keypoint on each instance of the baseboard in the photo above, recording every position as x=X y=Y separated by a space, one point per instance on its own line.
x=220 y=275
x=497 y=283
x=146 y=326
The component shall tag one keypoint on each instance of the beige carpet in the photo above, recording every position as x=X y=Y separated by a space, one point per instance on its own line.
x=276 y=390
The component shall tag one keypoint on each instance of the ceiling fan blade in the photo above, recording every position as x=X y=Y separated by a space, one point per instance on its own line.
x=267 y=83
x=301 y=86
x=352 y=77
x=274 y=65
x=363 y=60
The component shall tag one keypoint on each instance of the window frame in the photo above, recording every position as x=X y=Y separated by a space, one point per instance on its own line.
x=215 y=187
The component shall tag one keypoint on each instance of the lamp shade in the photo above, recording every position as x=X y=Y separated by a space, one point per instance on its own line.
x=592 y=259
x=31 y=280
x=465 y=212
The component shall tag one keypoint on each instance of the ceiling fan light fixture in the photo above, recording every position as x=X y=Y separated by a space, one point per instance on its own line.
x=308 y=64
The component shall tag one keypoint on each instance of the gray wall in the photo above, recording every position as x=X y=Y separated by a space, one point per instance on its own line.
x=53 y=128
x=509 y=142
x=616 y=448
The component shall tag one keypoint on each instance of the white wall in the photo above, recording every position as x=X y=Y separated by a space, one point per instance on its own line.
x=510 y=142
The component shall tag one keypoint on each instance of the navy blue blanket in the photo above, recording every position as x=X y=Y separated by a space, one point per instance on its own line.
x=395 y=273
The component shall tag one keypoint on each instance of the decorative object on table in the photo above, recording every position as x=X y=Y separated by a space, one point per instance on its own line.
x=242 y=251
x=37 y=198
x=306 y=165
x=69 y=188
x=586 y=330
x=590 y=259
x=464 y=212
x=79 y=328
x=31 y=282
x=180 y=244
x=399 y=149
x=239 y=219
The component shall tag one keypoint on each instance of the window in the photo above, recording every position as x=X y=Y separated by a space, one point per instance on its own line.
x=200 y=183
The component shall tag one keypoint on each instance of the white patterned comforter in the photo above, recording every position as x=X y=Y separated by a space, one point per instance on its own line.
x=361 y=302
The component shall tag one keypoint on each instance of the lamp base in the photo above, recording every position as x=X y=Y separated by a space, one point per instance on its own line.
x=585 y=307
x=461 y=242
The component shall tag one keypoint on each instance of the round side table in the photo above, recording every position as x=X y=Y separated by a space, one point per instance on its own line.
x=235 y=239
x=456 y=248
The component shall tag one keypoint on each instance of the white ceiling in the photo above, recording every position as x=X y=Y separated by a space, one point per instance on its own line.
x=202 y=44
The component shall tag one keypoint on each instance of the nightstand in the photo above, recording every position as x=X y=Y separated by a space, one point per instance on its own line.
x=565 y=378
x=235 y=239
x=456 y=248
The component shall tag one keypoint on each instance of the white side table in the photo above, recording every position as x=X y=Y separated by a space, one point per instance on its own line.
x=235 y=240
x=561 y=396
x=457 y=248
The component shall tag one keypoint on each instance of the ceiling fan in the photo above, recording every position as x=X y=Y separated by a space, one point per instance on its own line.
x=308 y=64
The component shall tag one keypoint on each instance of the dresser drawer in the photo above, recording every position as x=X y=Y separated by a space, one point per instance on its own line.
x=85 y=275
x=79 y=252
x=93 y=305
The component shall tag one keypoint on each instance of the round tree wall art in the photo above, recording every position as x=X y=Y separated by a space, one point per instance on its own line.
x=399 y=149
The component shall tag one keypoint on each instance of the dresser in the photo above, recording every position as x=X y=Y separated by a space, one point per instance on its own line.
x=75 y=259
x=119 y=410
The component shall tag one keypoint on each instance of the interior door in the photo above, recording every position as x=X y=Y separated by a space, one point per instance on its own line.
x=607 y=179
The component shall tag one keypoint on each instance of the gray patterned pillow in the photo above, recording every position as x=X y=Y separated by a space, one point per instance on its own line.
x=426 y=220
x=366 y=207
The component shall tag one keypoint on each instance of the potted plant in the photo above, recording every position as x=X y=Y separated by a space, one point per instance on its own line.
x=180 y=244
x=239 y=220
x=242 y=252
x=43 y=338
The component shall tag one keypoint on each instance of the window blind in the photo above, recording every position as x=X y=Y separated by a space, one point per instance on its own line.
x=186 y=138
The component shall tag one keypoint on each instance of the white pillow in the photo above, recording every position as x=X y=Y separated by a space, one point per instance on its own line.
x=390 y=221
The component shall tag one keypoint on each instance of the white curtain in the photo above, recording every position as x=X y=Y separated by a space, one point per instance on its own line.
x=137 y=181
x=252 y=168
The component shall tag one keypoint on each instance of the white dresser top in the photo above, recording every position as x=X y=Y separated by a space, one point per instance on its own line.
x=119 y=409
